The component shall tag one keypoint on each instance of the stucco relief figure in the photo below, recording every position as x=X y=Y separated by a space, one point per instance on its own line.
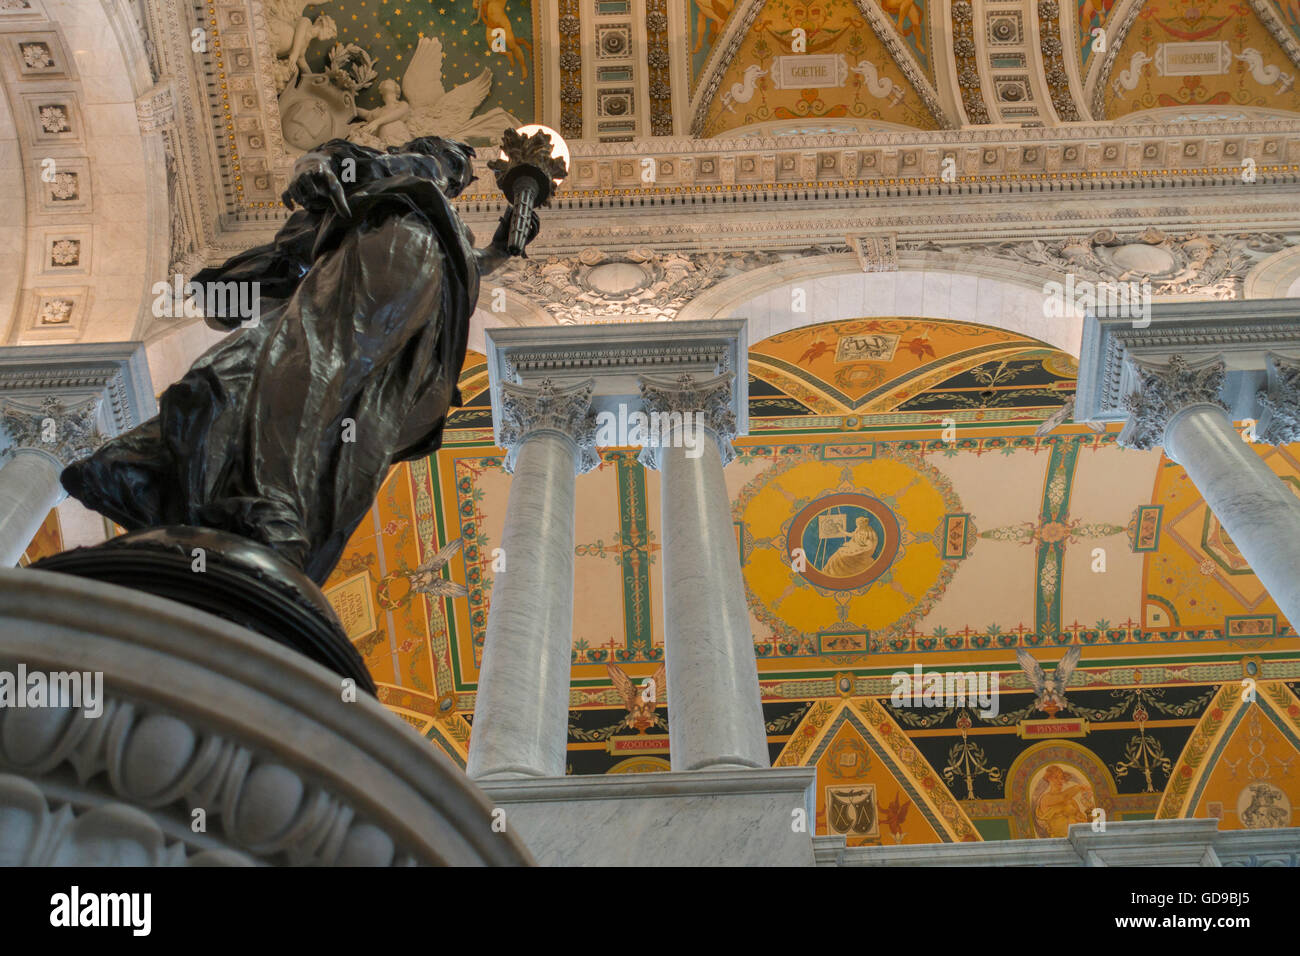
x=419 y=106
x=1059 y=801
x=284 y=431
x=291 y=34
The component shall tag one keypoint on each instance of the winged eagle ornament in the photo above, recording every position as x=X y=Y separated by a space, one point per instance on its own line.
x=428 y=579
x=639 y=701
x=1050 y=690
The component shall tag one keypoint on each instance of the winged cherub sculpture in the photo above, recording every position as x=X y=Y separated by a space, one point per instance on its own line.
x=419 y=106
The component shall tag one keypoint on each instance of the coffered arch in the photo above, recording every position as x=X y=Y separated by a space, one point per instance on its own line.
x=92 y=229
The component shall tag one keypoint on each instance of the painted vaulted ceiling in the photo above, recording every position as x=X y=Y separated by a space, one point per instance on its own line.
x=990 y=539
x=616 y=70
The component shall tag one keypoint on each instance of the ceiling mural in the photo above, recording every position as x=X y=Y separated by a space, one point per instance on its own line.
x=708 y=19
x=843 y=71
x=884 y=364
x=934 y=529
x=1192 y=54
x=1091 y=15
x=405 y=68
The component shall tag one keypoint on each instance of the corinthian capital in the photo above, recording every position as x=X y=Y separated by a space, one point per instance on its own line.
x=1280 y=421
x=528 y=411
x=1165 y=390
x=65 y=433
x=707 y=403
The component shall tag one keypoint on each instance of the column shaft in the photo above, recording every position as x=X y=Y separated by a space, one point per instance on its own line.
x=521 y=714
x=1254 y=505
x=29 y=488
x=715 y=713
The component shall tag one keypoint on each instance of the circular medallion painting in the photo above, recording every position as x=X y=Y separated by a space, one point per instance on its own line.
x=848 y=540
x=872 y=528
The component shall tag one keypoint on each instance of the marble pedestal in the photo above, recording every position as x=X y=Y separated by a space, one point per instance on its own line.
x=742 y=817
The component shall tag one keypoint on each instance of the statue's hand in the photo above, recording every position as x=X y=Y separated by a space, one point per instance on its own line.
x=314 y=185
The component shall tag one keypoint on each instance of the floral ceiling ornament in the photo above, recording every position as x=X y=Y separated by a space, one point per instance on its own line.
x=1213 y=265
x=639 y=283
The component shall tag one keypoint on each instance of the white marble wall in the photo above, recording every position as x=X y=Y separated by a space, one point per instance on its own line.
x=703 y=818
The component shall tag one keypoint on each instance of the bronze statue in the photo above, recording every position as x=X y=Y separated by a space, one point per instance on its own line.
x=284 y=432
x=267 y=454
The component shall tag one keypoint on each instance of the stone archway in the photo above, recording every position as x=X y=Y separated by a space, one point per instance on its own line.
x=926 y=285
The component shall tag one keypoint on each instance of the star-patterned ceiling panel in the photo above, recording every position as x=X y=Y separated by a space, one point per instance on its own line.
x=496 y=36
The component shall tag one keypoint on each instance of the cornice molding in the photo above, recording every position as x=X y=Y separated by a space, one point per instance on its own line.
x=1245 y=331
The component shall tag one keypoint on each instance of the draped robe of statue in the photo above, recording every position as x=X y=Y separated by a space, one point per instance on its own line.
x=284 y=431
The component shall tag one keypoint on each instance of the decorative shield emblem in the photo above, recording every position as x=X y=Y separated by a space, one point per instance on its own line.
x=313 y=110
x=852 y=810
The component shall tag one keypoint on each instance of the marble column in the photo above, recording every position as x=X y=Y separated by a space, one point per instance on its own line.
x=43 y=439
x=521 y=711
x=1177 y=405
x=715 y=713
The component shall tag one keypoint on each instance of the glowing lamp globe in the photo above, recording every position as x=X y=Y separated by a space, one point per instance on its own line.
x=559 y=148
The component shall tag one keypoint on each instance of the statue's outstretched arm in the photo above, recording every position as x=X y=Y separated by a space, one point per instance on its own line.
x=493 y=256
